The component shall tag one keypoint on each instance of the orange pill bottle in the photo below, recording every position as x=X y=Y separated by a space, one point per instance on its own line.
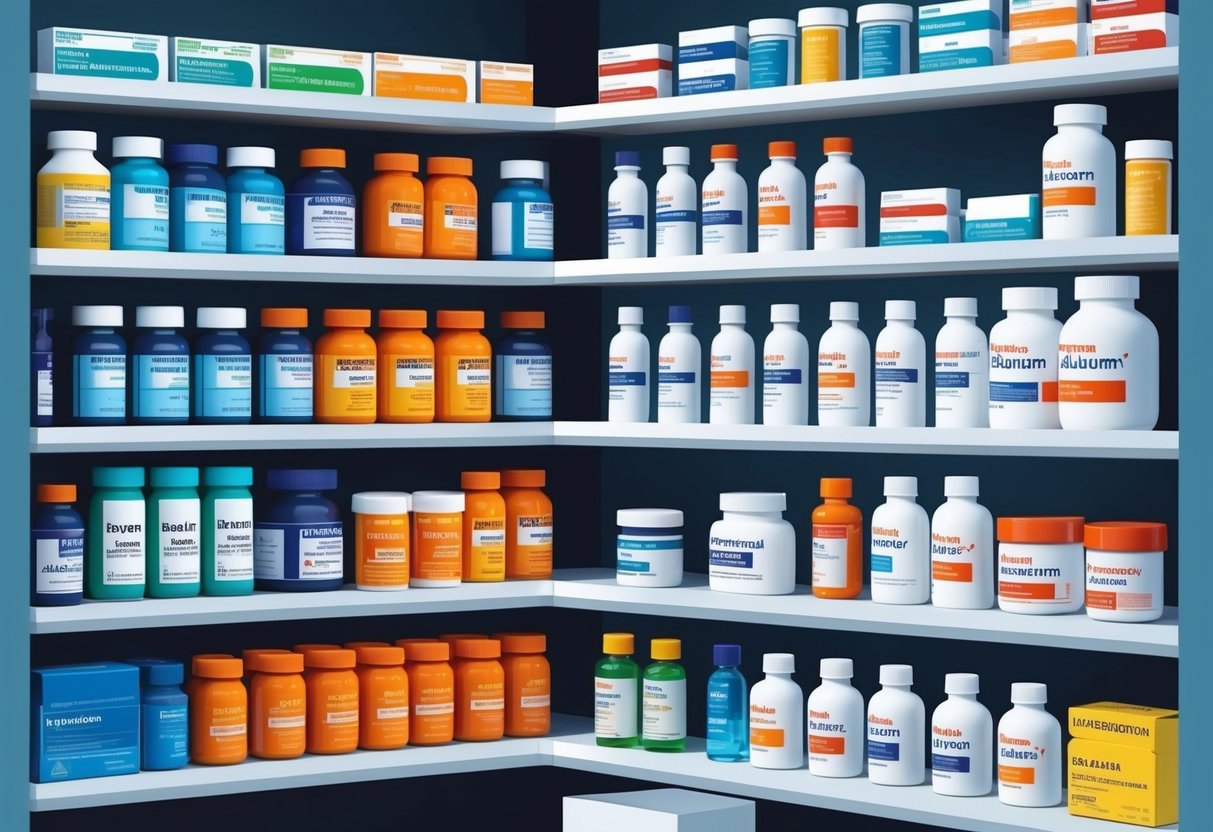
x=449 y=640
x=528 y=524
x=381 y=539
x=437 y=538
x=837 y=542
x=483 y=527
x=479 y=690
x=249 y=657
x=383 y=698
x=451 y=209
x=345 y=363
x=528 y=684
x=192 y=682
x=464 y=368
x=278 y=725
x=332 y=701
x=406 y=367
x=431 y=693
x=218 y=712
x=393 y=219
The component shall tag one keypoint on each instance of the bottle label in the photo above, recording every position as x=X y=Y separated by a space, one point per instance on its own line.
x=624 y=230
x=412 y=393
x=233 y=540
x=892 y=559
x=836 y=390
x=298 y=551
x=1018 y=759
x=262 y=224
x=165 y=735
x=821 y=50
x=665 y=709
x=226 y=386
x=405 y=215
x=205 y=219
x=42 y=366
x=487 y=556
x=180 y=545
x=722 y=217
x=831 y=546
x=945 y=760
x=769 y=63
x=1089 y=375
x=959 y=375
x=382 y=551
x=1017 y=376
x=58 y=561
x=1147 y=197
x=780 y=380
x=677 y=388
x=472 y=377
x=952 y=558
x=648 y=557
x=535 y=530
x=524 y=385
x=827 y=737
x=728 y=381
x=893 y=383
x=162 y=386
x=73 y=210
x=352 y=383
x=145 y=216
x=720 y=721
x=328 y=222
x=286 y=385
x=765 y=731
x=774 y=213
x=1067 y=189
x=615 y=708
x=880 y=50
x=538 y=225
x=122 y=541
x=100 y=386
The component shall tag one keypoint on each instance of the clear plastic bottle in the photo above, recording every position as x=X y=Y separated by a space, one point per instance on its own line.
x=728 y=736
x=676 y=216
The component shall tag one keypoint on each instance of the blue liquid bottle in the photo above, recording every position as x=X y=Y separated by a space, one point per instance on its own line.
x=161 y=359
x=223 y=368
x=163 y=715
x=321 y=208
x=256 y=200
x=197 y=200
x=139 y=196
x=728 y=707
x=98 y=366
x=297 y=540
x=523 y=374
x=524 y=219
x=57 y=548
x=42 y=373
x=284 y=367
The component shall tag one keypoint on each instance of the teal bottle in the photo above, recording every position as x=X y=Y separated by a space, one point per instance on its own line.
x=174 y=538
x=227 y=531
x=114 y=564
x=728 y=731
x=139 y=197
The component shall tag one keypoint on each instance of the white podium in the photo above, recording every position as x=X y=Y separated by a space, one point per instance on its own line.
x=657 y=810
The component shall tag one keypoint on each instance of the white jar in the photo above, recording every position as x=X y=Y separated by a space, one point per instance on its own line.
x=676 y=216
x=901 y=369
x=679 y=371
x=1079 y=175
x=782 y=202
x=962 y=368
x=1040 y=565
x=777 y=715
x=962 y=549
x=1125 y=570
x=731 y=401
x=839 y=200
x=1107 y=371
x=823 y=44
x=962 y=740
x=445 y=551
x=1023 y=361
x=901 y=545
x=725 y=205
x=836 y=723
x=772 y=52
x=628 y=369
x=73 y=194
x=1029 y=750
x=627 y=209
x=752 y=549
x=884 y=39
x=844 y=370
x=648 y=550
x=1148 y=189
x=785 y=369
x=896 y=726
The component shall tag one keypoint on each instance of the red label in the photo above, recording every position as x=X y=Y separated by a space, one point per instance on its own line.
x=626 y=94
x=1026 y=592
x=628 y=67
x=936 y=209
x=1098 y=600
x=1102 y=11
x=1130 y=41
x=836 y=216
x=827 y=745
x=942 y=570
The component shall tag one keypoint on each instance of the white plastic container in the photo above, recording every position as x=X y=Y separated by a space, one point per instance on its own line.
x=901 y=545
x=73 y=203
x=962 y=549
x=752 y=549
x=628 y=369
x=1078 y=181
x=679 y=371
x=777 y=715
x=394 y=550
x=1040 y=565
x=962 y=740
x=677 y=209
x=1125 y=570
x=627 y=209
x=785 y=369
x=836 y=722
x=1107 y=371
x=844 y=370
x=884 y=39
x=732 y=371
x=1023 y=361
x=1148 y=187
x=823 y=44
x=772 y=52
x=839 y=199
x=901 y=369
x=449 y=550
x=648 y=549
x=725 y=204
x=896 y=727
x=1029 y=750
x=962 y=368
x=782 y=202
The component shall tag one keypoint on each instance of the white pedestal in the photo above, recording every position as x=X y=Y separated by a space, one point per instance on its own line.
x=657 y=810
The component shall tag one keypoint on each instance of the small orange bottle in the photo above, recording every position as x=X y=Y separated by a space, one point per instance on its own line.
x=332 y=701
x=392 y=208
x=463 y=375
x=381 y=540
x=218 y=712
x=528 y=684
x=483 y=527
x=837 y=542
x=383 y=698
x=437 y=539
x=406 y=367
x=528 y=524
x=278 y=725
x=431 y=693
x=479 y=690
x=345 y=369
x=450 y=209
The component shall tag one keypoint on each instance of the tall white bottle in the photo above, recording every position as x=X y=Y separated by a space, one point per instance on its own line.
x=732 y=371
x=962 y=740
x=785 y=369
x=896 y=727
x=901 y=369
x=1029 y=749
x=962 y=368
x=901 y=545
x=628 y=369
x=679 y=371
x=839 y=200
x=677 y=212
x=783 y=223
x=836 y=724
x=1078 y=175
x=726 y=205
x=627 y=209
x=962 y=549
x=1023 y=360
x=777 y=715
x=844 y=370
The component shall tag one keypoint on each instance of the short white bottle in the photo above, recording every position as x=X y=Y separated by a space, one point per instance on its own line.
x=844 y=370
x=901 y=545
x=782 y=202
x=839 y=200
x=901 y=369
x=1029 y=749
x=677 y=208
x=725 y=206
x=679 y=370
x=962 y=549
x=1078 y=175
x=732 y=371
x=628 y=369
x=752 y=549
x=1023 y=360
x=836 y=723
x=962 y=368
x=962 y=740
x=896 y=728
x=777 y=715
x=627 y=209
x=785 y=369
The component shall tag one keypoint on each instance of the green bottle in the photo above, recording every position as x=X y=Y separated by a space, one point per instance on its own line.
x=174 y=533
x=617 y=693
x=664 y=699
x=114 y=564
x=227 y=531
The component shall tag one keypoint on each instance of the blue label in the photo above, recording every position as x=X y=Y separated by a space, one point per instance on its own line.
x=58 y=560
x=711 y=52
x=524 y=385
x=955 y=59
x=950 y=24
x=898 y=375
x=99 y=386
x=78 y=742
x=710 y=83
x=202 y=213
x=1014 y=391
x=675 y=378
x=42 y=385
x=781 y=376
x=648 y=545
x=882 y=563
x=948 y=763
x=887 y=751
x=286 y=385
x=722 y=218
x=952 y=380
x=225 y=386
x=913 y=238
x=620 y=221
x=1023 y=228
x=144 y=224
x=631 y=566
x=297 y=551
x=165 y=737
x=262 y=223
x=769 y=65
x=162 y=387
x=728 y=557
x=880 y=50
x=677 y=216
x=618 y=379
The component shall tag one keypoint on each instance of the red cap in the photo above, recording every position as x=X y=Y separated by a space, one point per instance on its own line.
x=1040 y=529
x=1126 y=536
x=524 y=478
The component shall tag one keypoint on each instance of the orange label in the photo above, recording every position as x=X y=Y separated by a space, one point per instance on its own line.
x=1047 y=51
x=467 y=387
x=836 y=216
x=1147 y=197
x=827 y=745
x=942 y=570
x=820 y=54
x=1130 y=41
x=1057 y=197
x=381 y=550
x=1048 y=391
x=774 y=215
x=348 y=393
x=1043 y=17
x=73 y=210
x=497 y=91
x=1091 y=391
x=730 y=378
x=1016 y=775
x=766 y=737
x=431 y=703
x=332 y=711
x=1098 y=600
x=632 y=67
x=410 y=386
x=846 y=380
x=930 y=209
x=1027 y=592
x=484 y=547
x=438 y=546
x=383 y=721
x=829 y=532
x=626 y=94
x=423 y=85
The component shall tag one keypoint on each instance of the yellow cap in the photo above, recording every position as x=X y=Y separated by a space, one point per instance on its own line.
x=618 y=644
x=665 y=649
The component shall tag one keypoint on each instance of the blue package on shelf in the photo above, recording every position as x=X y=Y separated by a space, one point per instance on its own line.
x=86 y=721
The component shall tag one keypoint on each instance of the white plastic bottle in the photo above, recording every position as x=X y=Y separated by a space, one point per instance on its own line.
x=782 y=197
x=1029 y=749
x=725 y=206
x=1023 y=360
x=777 y=715
x=785 y=369
x=962 y=740
x=752 y=549
x=839 y=200
x=677 y=212
x=901 y=544
x=679 y=371
x=1078 y=176
x=962 y=549
x=627 y=209
x=732 y=371
x=1107 y=372
x=896 y=727
x=844 y=370
x=901 y=369
x=962 y=368
x=628 y=369
x=836 y=723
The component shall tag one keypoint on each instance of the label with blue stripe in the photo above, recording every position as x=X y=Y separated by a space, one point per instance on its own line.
x=950 y=24
x=769 y=64
x=948 y=763
x=710 y=83
x=913 y=238
x=621 y=379
x=898 y=375
x=952 y=380
x=625 y=221
x=882 y=563
x=675 y=378
x=721 y=50
x=677 y=216
x=649 y=545
x=781 y=376
x=632 y=566
x=887 y=751
x=1014 y=391
x=722 y=218
x=729 y=557
x=955 y=59
x=1022 y=228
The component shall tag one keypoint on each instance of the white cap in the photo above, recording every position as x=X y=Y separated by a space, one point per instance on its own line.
x=251 y=157
x=837 y=668
x=961 y=486
x=139 y=147
x=732 y=314
x=901 y=486
x=960 y=307
x=97 y=316
x=896 y=674
x=1148 y=149
x=778 y=663
x=884 y=11
x=631 y=315
x=160 y=317
x=963 y=683
x=822 y=16
x=764 y=501
x=1107 y=287
x=439 y=502
x=1029 y=297
x=649 y=518
x=522 y=169
x=381 y=502
x=1029 y=693
x=71 y=140
x=844 y=310
x=763 y=26
x=785 y=313
x=1080 y=114
x=221 y=317
x=676 y=156
x=900 y=310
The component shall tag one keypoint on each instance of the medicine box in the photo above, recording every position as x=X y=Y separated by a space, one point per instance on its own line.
x=961 y=34
x=100 y=54
x=1048 y=43
x=993 y=218
x=1103 y=9
x=502 y=83
x=919 y=230
x=713 y=60
x=628 y=73
x=85 y=721
x=920 y=202
x=316 y=70
x=424 y=77
x=223 y=62
x=1134 y=32
x=658 y=810
x=1043 y=14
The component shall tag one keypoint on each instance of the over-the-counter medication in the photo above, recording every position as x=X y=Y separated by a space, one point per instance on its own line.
x=431 y=693
x=505 y=83
x=627 y=209
x=223 y=367
x=785 y=369
x=98 y=366
x=724 y=204
x=308 y=69
x=1078 y=175
x=962 y=548
x=381 y=539
x=437 y=556
x=648 y=549
x=896 y=727
x=994 y=218
x=1125 y=570
x=483 y=527
x=284 y=366
x=383 y=697
x=617 y=693
x=675 y=214
x=900 y=369
x=42 y=368
x=901 y=546
x=73 y=200
x=1023 y=360
x=227 y=531
x=479 y=690
x=174 y=534
x=197 y=199
x=64 y=50
x=528 y=523
x=713 y=60
x=405 y=367
x=836 y=723
x=1132 y=25
x=256 y=201
x=962 y=368
x=115 y=565
x=321 y=206
x=679 y=371
x=839 y=199
x=772 y=52
x=346 y=369
x=206 y=61
x=163 y=715
x=333 y=703
x=57 y=548
x=1029 y=750
x=918 y=217
x=528 y=684
x=218 y=712
x=663 y=711
x=451 y=209
x=752 y=549
x=823 y=44
x=1069 y=40
x=628 y=369
x=731 y=366
x=629 y=73
x=139 y=195
x=524 y=219
x=297 y=539
x=277 y=705
x=424 y=77
x=777 y=715
x=884 y=39
x=1148 y=186
x=728 y=734
x=782 y=202
x=524 y=368
x=837 y=542
x=86 y=721
x=844 y=370
x=463 y=365
x=161 y=357
x=1040 y=565
x=962 y=740
x=960 y=34
x=1043 y=14
x=393 y=208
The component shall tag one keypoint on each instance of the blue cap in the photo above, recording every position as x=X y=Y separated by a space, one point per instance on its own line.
x=302 y=479
x=118 y=477
x=680 y=314
x=184 y=154
x=234 y=476
x=174 y=477
x=159 y=671
x=631 y=158
x=726 y=655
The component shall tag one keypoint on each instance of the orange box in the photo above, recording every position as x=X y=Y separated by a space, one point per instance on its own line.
x=425 y=78
x=504 y=83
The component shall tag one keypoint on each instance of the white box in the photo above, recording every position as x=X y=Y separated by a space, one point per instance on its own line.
x=1134 y=32
x=924 y=201
x=628 y=73
x=223 y=62
x=316 y=70
x=425 y=77
x=658 y=810
x=1042 y=14
x=502 y=83
x=97 y=53
x=713 y=60
x=713 y=76
x=1049 y=43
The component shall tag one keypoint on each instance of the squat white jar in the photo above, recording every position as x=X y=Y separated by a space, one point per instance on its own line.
x=648 y=550
x=1040 y=565
x=1125 y=570
x=752 y=549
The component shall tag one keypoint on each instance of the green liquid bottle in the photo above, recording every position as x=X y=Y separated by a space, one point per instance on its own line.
x=174 y=533
x=114 y=564
x=664 y=698
x=617 y=693
x=227 y=531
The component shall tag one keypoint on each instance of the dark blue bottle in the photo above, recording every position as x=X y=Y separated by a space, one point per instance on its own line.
x=728 y=739
x=223 y=368
x=56 y=548
x=284 y=367
x=98 y=366
x=163 y=715
x=298 y=543
x=42 y=375
x=524 y=369
x=161 y=363
x=321 y=209
x=197 y=199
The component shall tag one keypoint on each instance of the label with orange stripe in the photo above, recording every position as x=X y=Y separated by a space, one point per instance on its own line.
x=846 y=380
x=836 y=216
x=774 y=215
x=1020 y=591
x=1040 y=18
x=942 y=570
x=1090 y=392
x=1043 y=50
x=1069 y=196
x=1016 y=775
x=730 y=378
x=819 y=744
x=767 y=737
x=1125 y=8
x=932 y=209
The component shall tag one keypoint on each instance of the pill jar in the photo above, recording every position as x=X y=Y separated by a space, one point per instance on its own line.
x=772 y=52
x=383 y=698
x=524 y=218
x=483 y=527
x=223 y=367
x=191 y=684
x=528 y=684
x=406 y=367
x=297 y=540
x=431 y=692
x=1148 y=187
x=823 y=44
x=249 y=656
x=278 y=706
x=523 y=369
x=450 y=209
x=139 y=196
x=332 y=701
x=285 y=367
x=528 y=523
x=1125 y=570
x=174 y=539
x=256 y=218
x=463 y=368
x=227 y=531
x=479 y=690
x=381 y=539
x=73 y=203
x=164 y=727
x=884 y=39
x=321 y=208
x=393 y=208
x=437 y=538
x=346 y=359
x=752 y=549
x=57 y=548
x=648 y=550
x=114 y=565
x=1040 y=565
x=98 y=366
x=197 y=199
x=218 y=712
x=161 y=358
x=449 y=640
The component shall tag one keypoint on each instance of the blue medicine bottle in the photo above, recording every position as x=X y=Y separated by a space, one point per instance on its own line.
x=42 y=374
x=256 y=219
x=197 y=199
x=524 y=369
x=524 y=218
x=728 y=732
x=161 y=359
x=139 y=195
x=57 y=548
x=297 y=541
x=163 y=715
x=223 y=368
x=98 y=366
x=321 y=208
x=284 y=367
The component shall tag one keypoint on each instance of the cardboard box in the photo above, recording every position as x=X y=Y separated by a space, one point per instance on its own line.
x=1049 y=43
x=629 y=73
x=1044 y=14
x=923 y=202
x=658 y=810
x=100 y=54
x=713 y=60
x=919 y=230
x=316 y=70
x=1134 y=32
x=1103 y=9
x=85 y=721
x=426 y=78
x=223 y=62
x=993 y=218
x=502 y=83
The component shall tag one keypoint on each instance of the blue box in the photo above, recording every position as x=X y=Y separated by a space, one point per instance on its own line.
x=85 y=721
x=995 y=218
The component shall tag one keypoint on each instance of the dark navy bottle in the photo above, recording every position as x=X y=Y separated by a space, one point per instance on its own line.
x=98 y=366
x=524 y=369
x=163 y=715
x=284 y=367
x=42 y=374
x=223 y=368
x=56 y=548
x=197 y=199
x=321 y=209
x=297 y=541
x=161 y=363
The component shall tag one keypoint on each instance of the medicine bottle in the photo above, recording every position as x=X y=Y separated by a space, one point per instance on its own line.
x=256 y=198
x=161 y=357
x=896 y=730
x=664 y=698
x=901 y=367
x=1148 y=187
x=381 y=539
x=731 y=365
x=393 y=212
x=115 y=564
x=278 y=706
x=627 y=226
x=901 y=546
x=383 y=698
x=772 y=52
x=823 y=44
x=962 y=740
x=197 y=199
x=837 y=542
x=139 y=203
x=836 y=722
x=321 y=208
x=628 y=369
x=679 y=372
x=528 y=523
x=437 y=557
x=191 y=684
x=617 y=693
x=962 y=374
x=1125 y=570
x=42 y=369
x=1040 y=565
x=163 y=715
x=285 y=367
x=524 y=219
x=174 y=540
x=406 y=367
x=479 y=690
x=777 y=716
x=223 y=367
x=1023 y=361
x=676 y=213
x=98 y=366
x=528 y=684
x=1078 y=179
x=73 y=203
x=449 y=640
x=297 y=539
x=839 y=199
x=785 y=369
x=464 y=368
x=451 y=209
x=346 y=362
x=56 y=548
x=218 y=712
x=752 y=549
x=962 y=549
x=782 y=202
x=725 y=204
x=484 y=521
x=524 y=369
x=844 y=370
x=333 y=703
x=250 y=656
x=431 y=693
x=648 y=550
x=227 y=531
x=884 y=39
x=1029 y=750
x=728 y=719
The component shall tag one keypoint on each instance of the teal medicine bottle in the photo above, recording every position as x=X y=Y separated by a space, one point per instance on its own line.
x=161 y=358
x=617 y=693
x=227 y=531
x=174 y=533
x=663 y=712
x=728 y=734
x=114 y=560
x=139 y=195
x=223 y=367
x=163 y=715
x=256 y=202
x=524 y=219
x=98 y=366
x=197 y=200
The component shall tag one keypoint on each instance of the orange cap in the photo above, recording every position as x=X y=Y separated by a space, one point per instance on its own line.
x=460 y=319
x=360 y=318
x=250 y=656
x=837 y=487
x=213 y=667
x=724 y=151
x=782 y=149
x=837 y=144
x=322 y=157
x=304 y=648
x=522 y=320
x=480 y=480
x=1126 y=536
x=429 y=651
x=524 y=478
x=281 y=317
x=405 y=642
x=522 y=642
x=478 y=648
x=449 y=165
x=285 y=662
x=55 y=493
x=337 y=659
x=406 y=162
x=403 y=318
x=354 y=645
x=451 y=638
x=1040 y=529
x=384 y=656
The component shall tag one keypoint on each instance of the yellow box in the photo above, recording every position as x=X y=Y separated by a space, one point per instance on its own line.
x=505 y=83
x=1154 y=729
